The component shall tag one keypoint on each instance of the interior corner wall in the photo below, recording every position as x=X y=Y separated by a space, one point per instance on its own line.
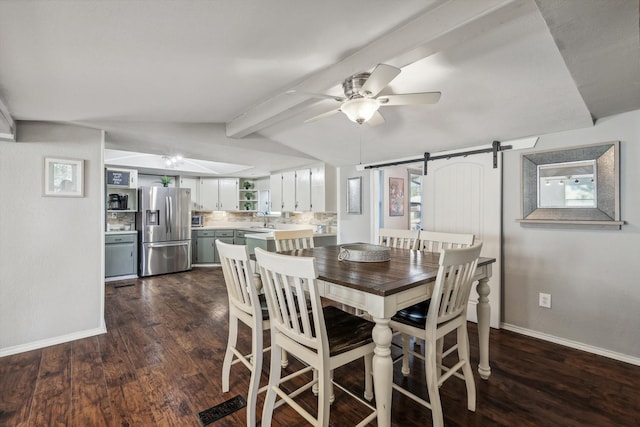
x=401 y=221
x=592 y=275
x=51 y=248
x=354 y=227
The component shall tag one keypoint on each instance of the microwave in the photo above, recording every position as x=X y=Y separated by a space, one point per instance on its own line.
x=197 y=220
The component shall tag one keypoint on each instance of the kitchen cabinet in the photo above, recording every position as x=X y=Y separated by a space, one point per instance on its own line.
x=248 y=196
x=289 y=191
x=303 y=190
x=275 y=189
x=324 y=188
x=122 y=178
x=123 y=182
x=203 y=245
x=238 y=237
x=312 y=189
x=192 y=184
x=225 y=236
x=218 y=194
x=120 y=254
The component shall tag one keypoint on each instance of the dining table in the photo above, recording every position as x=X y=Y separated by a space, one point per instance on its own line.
x=381 y=289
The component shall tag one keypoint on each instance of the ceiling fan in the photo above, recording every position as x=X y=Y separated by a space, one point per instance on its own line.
x=362 y=96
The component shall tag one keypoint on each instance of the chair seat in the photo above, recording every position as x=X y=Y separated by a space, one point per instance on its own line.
x=415 y=315
x=346 y=331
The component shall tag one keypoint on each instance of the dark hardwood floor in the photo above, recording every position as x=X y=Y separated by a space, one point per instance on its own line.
x=160 y=365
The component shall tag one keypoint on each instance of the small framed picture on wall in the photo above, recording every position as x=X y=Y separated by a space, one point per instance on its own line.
x=63 y=177
x=354 y=195
x=396 y=197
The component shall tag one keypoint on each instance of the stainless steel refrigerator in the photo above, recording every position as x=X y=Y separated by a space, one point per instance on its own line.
x=164 y=226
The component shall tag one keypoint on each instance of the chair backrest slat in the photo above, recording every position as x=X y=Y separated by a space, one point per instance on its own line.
x=434 y=241
x=453 y=284
x=289 y=240
x=238 y=277
x=288 y=282
x=398 y=238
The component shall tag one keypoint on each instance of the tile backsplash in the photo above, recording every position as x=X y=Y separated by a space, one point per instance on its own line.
x=124 y=220
x=121 y=221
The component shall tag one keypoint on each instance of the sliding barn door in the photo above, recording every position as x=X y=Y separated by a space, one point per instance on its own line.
x=463 y=195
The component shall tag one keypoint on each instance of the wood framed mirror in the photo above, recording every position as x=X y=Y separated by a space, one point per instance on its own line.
x=576 y=187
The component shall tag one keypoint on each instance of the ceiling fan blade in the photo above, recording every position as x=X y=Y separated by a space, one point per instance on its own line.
x=376 y=119
x=322 y=116
x=316 y=95
x=409 y=99
x=379 y=79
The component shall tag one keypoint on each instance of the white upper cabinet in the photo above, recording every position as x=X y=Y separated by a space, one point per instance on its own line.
x=324 y=188
x=289 y=191
x=275 y=189
x=305 y=190
x=123 y=178
x=218 y=194
x=192 y=184
x=227 y=194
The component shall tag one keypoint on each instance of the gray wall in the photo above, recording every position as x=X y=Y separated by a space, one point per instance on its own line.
x=351 y=227
x=592 y=275
x=51 y=248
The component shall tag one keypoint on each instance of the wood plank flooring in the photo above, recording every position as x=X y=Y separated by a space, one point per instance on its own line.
x=160 y=365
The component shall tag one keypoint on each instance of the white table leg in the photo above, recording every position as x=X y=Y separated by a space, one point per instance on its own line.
x=483 y=310
x=382 y=370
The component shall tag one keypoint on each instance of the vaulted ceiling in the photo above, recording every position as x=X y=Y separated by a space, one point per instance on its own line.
x=208 y=79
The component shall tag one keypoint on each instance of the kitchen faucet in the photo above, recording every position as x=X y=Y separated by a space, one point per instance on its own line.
x=262 y=214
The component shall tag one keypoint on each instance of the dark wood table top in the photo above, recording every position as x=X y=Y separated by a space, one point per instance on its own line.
x=406 y=269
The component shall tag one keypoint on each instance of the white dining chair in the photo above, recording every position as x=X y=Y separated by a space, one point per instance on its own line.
x=247 y=306
x=289 y=240
x=435 y=241
x=447 y=312
x=430 y=241
x=323 y=339
x=398 y=238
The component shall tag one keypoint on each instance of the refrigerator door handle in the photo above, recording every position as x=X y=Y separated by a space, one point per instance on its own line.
x=170 y=215
x=166 y=215
x=167 y=244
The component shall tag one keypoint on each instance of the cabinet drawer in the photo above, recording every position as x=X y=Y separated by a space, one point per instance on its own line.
x=239 y=233
x=120 y=238
x=205 y=233
x=224 y=233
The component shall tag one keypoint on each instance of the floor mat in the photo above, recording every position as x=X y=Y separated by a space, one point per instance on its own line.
x=222 y=410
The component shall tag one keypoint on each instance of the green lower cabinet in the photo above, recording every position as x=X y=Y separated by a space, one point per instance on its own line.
x=120 y=255
x=203 y=245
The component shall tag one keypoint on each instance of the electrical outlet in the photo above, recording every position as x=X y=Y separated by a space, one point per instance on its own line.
x=544 y=300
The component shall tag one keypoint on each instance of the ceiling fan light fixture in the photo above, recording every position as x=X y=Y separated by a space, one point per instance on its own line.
x=359 y=110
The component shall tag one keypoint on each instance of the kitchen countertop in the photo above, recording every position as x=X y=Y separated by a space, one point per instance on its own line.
x=251 y=232
x=269 y=235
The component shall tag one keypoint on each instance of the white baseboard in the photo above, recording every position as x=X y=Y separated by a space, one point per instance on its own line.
x=116 y=278
x=53 y=341
x=573 y=344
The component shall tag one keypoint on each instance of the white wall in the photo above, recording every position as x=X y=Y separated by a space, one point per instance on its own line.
x=51 y=248
x=593 y=276
x=400 y=222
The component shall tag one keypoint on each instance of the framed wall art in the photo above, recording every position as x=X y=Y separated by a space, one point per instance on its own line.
x=63 y=177
x=354 y=195
x=396 y=197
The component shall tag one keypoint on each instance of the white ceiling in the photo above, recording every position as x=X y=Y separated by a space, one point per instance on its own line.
x=207 y=79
